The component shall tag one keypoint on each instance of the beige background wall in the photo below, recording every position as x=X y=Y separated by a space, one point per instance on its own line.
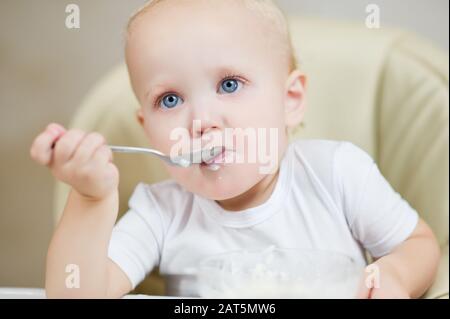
x=46 y=69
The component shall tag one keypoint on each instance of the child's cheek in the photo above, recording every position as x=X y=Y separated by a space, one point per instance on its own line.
x=158 y=137
x=187 y=177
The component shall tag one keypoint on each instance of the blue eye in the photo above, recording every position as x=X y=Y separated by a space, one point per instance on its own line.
x=170 y=101
x=229 y=86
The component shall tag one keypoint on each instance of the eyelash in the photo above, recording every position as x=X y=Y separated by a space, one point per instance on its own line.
x=234 y=77
x=227 y=77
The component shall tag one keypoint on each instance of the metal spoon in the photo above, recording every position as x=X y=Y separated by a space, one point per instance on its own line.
x=185 y=160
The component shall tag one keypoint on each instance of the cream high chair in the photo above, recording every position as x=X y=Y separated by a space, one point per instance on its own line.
x=385 y=90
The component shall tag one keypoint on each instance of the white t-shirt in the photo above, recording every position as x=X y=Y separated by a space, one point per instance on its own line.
x=329 y=196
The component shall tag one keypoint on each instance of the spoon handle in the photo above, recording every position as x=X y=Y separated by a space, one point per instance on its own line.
x=130 y=149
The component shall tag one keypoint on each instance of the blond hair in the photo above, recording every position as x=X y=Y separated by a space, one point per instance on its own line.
x=266 y=9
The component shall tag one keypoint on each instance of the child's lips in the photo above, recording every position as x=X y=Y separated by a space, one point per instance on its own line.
x=218 y=159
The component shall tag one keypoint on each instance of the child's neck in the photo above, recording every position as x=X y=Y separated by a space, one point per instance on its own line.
x=255 y=196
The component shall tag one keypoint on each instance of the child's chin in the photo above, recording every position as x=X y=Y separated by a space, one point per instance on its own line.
x=220 y=196
x=224 y=189
x=229 y=181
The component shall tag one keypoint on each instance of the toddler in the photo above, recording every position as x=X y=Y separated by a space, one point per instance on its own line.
x=223 y=73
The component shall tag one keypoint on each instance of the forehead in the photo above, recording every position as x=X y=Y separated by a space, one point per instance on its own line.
x=185 y=12
x=199 y=30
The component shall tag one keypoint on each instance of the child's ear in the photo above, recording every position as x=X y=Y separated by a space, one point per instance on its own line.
x=140 y=116
x=295 y=98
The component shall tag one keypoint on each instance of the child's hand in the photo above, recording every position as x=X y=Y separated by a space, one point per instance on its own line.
x=81 y=160
x=387 y=286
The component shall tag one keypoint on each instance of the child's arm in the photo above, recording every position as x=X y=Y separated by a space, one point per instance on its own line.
x=83 y=234
x=409 y=270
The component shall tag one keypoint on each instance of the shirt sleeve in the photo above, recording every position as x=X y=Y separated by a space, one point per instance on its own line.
x=137 y=238
x=379 y=218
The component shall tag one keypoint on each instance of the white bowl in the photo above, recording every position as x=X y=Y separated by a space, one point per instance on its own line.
x=22 y=293
x=279 y=273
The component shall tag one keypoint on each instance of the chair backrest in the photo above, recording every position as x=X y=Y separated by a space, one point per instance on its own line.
x=383 y=89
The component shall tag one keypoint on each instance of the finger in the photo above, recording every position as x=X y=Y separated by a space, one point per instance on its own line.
x=363 y=292
x=88 y=147
x=103 y=155
x=363 y=289
x=67 y=145
x=41 y=149
x=56 y=128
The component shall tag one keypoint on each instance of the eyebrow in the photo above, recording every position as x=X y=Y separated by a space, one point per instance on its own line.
x=157 y=89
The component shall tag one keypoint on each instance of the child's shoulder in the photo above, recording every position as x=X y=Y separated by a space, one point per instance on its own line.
x=329 y=160
x=308 y=146
x=329 y=150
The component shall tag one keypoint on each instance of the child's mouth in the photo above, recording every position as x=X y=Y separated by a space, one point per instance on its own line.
x=214 y=163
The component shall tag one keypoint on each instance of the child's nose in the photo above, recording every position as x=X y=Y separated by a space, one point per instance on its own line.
x=207 y=116
x=203 y=127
